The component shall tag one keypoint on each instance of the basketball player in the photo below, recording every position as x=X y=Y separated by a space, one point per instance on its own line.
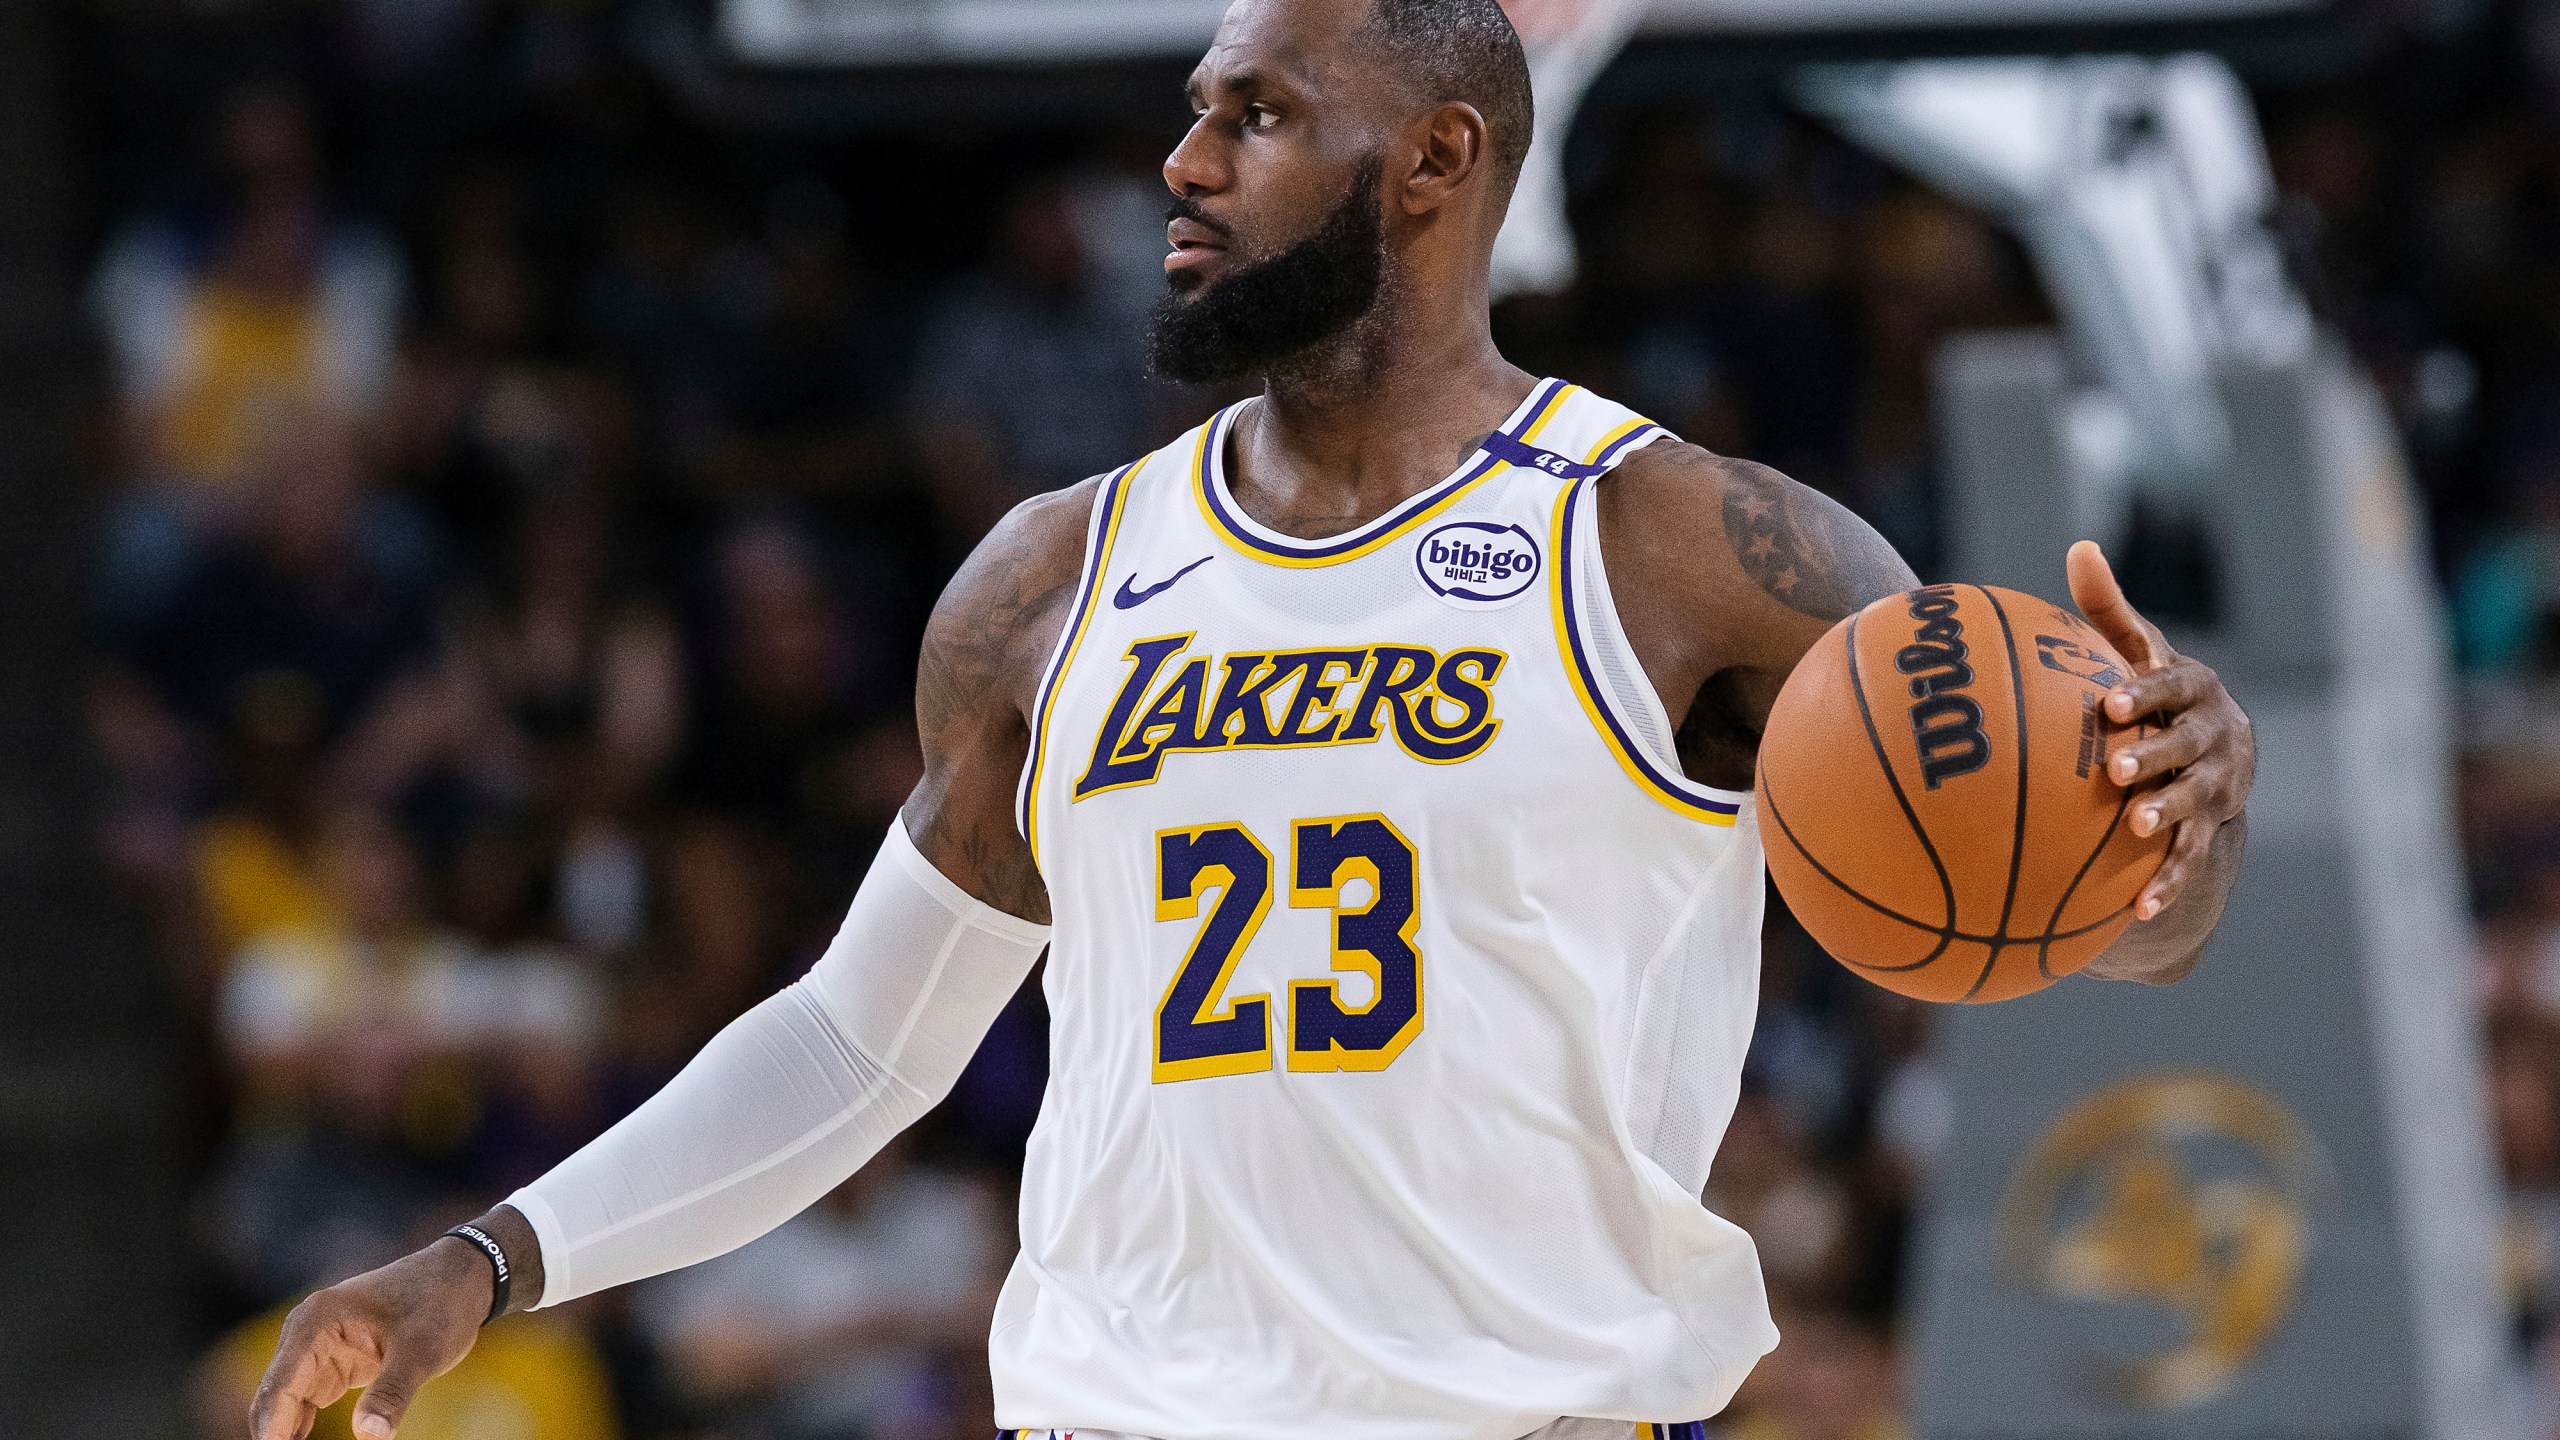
x=1374 y=765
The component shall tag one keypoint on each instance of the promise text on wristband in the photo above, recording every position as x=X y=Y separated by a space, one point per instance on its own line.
x=481 y=1240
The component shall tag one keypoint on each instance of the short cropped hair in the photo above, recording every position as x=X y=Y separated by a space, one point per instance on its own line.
x=1465 y=50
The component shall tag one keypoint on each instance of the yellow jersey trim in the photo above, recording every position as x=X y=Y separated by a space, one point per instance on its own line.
x=1110 y=504
x=1334 y=550
x=1699 y=802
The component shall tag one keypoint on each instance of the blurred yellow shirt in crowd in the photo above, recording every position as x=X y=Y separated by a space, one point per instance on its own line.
x=529 y=1378
x=250 y=362
x=251 y=884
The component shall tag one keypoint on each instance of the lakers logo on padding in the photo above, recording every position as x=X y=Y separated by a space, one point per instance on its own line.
x=1476 y=565
x=2166 y=1220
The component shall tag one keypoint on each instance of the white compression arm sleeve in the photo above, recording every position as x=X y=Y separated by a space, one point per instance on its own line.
x=795 y=1094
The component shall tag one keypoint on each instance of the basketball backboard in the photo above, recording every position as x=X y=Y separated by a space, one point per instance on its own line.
x=931 y=32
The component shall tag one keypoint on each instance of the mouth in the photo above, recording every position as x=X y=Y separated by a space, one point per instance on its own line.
x=1195 y=246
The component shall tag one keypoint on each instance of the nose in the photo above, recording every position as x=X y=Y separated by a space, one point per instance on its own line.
x=1197 y=166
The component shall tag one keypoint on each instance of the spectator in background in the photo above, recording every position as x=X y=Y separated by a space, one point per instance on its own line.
x=1029 y=377
x=226 y=326
x=560 y=702
x=1117 y=198
x=1831 y=1378
x=314 y=968
x=2524 y=1107
x=1926 y=269
x=1798 y=1056
x=799 y=748
x=326 y=579
x=364 y=1038
x=1768 y=1180
x=814 y=409
x=277 y=653
x=673 y=306
x=482 y=417
x=865 y=1315
x=340 y=1182
x=1720 y=270
x=569 y=696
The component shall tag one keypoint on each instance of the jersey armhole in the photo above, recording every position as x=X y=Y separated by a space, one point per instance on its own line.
x=1103 y=528
x=1627 y=688
x=1601 y=662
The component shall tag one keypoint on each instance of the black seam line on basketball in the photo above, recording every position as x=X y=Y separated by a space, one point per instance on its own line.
x=2044 y=948
x=1988 y=965
x=2018 y=832
x=1945 y=935
x=2044 y=942
x=1943 y=932
x=1858 y=689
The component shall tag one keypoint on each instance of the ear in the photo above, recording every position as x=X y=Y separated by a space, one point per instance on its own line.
x=1448 y=152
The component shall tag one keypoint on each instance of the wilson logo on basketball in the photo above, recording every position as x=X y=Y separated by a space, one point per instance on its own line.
x=1945 y=723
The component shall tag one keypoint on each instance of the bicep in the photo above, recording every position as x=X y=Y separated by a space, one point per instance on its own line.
x=1808 y=559
x=974 y=740
x=961 y=819
x=990 y=635
x=1805 y=562
x=1727 y=572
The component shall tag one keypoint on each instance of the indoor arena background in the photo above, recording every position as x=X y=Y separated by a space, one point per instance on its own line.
x=437 y=703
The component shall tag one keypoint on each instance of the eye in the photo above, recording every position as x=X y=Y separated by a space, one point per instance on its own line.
x=1260 y=117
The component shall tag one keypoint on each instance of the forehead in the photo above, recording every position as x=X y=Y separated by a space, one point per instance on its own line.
x=1303 y=44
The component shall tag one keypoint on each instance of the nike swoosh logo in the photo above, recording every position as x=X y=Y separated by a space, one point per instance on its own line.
x=1130 y=599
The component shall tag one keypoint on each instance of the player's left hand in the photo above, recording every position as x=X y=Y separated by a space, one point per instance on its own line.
x=2202 y=743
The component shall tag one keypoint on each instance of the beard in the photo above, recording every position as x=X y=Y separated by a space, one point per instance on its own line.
x=1271 y=310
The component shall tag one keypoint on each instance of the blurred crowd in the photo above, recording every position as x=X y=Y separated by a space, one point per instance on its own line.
x=525 y=492
x=2423 y=195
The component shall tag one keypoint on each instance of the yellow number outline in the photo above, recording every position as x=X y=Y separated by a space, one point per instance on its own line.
x=1327 y=895
x=1187 y=907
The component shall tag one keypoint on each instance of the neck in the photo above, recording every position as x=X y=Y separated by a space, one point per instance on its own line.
x=1352 y=428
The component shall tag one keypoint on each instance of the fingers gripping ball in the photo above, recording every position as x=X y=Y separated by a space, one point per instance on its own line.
x=1934 y=796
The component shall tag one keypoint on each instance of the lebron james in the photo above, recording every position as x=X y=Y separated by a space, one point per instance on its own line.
x=1373 y=764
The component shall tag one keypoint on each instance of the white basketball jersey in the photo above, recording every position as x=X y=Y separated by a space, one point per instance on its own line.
x=1400 y=981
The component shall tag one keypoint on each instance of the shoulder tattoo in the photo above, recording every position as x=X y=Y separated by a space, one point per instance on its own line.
x=994 y=624
x=1806 y=550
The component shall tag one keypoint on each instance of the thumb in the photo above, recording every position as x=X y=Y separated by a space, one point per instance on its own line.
x=2095 y=591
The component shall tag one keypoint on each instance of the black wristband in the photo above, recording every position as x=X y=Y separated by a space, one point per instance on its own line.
x=479 y=1239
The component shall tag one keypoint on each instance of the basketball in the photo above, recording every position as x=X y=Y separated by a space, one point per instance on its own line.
x=1934 y=794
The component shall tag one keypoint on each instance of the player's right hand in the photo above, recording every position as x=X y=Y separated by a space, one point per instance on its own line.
x=387 y=1331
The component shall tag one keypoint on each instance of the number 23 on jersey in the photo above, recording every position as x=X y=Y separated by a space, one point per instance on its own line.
x=1201 y=1031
